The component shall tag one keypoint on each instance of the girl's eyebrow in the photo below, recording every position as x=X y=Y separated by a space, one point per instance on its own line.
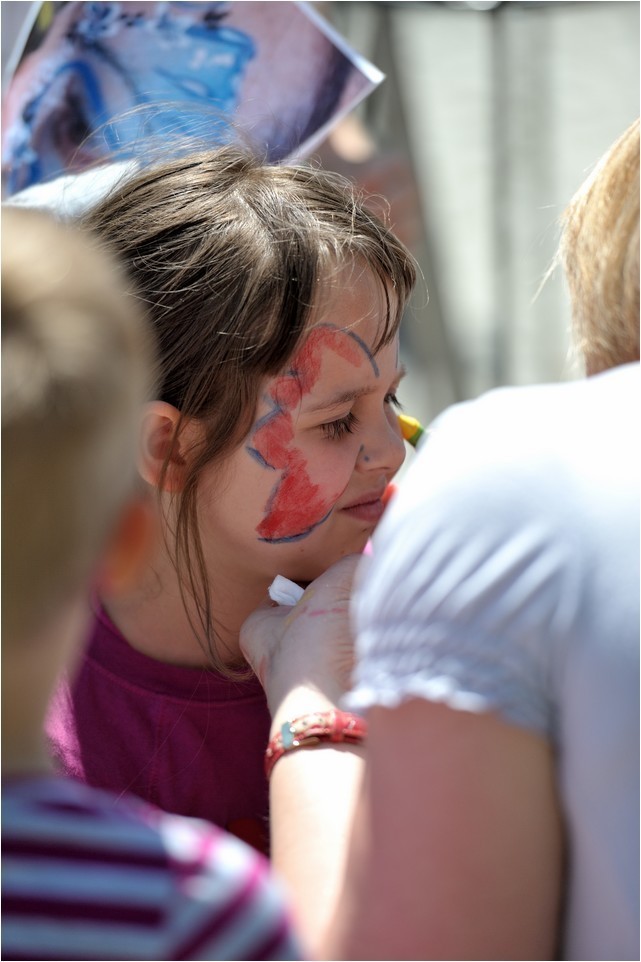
x=348 y=397
x=338 y=400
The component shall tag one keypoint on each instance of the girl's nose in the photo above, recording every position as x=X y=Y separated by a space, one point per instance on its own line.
x=383 y=448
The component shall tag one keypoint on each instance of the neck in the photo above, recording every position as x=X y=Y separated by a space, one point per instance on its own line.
x=155 y=620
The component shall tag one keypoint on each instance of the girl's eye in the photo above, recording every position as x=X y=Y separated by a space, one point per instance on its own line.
x=334 y=430
x=392 y=399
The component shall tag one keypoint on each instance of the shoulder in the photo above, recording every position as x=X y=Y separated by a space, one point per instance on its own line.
x=191 y=890
x=230 y=889
x=516 y=456
x=516 y=524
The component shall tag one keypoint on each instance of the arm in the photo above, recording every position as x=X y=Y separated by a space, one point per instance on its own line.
x=456 y=849
x=303 y=657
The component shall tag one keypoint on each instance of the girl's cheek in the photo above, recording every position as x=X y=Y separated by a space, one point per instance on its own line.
x=330 y=464
x=302 y=500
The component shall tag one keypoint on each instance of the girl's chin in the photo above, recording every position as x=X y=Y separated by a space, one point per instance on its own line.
x=308 y=569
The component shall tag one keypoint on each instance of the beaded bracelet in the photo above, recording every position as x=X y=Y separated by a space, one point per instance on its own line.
x=322 y=726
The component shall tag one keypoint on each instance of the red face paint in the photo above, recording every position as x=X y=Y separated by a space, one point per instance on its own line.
x=296 y=505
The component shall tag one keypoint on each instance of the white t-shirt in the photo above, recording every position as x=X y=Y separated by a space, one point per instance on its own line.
x=505 y=576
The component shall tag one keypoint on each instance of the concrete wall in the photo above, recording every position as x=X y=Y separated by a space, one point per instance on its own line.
x=507 y=107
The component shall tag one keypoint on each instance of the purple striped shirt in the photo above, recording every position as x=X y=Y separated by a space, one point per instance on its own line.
x=89 y=876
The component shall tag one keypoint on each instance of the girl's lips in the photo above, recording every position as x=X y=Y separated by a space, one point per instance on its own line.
x=368 y=511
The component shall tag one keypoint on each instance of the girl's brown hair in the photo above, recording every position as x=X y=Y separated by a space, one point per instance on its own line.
x=230 y=255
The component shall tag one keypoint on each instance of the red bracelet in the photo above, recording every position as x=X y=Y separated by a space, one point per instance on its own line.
x=320 y=726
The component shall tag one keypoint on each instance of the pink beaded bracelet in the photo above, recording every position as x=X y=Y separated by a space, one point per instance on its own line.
x=322 y=726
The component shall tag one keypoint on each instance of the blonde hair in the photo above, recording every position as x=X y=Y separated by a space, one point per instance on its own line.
x=600 y=254
x=76 y=362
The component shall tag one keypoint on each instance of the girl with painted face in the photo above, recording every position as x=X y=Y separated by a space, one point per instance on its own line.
x=276 y=299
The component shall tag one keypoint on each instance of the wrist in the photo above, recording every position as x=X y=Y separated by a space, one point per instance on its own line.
x=299 y=700
x=333 y=727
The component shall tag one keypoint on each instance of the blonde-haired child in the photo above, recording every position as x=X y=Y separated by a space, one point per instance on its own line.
x=86 y=875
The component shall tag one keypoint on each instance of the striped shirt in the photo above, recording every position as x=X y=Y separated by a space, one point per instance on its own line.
x=87 y=877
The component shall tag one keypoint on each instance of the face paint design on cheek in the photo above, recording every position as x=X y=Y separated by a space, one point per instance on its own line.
x=296 y=505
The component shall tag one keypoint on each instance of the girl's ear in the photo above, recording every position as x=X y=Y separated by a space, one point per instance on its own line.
x=160 y=442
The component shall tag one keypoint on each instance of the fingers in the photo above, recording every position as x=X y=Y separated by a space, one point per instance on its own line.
x=339 y=577
x=309 y=642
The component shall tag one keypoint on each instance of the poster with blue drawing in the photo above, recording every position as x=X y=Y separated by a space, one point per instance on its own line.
x=89 y=81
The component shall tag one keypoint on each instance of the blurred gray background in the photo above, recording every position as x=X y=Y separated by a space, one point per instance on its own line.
x=501 y=110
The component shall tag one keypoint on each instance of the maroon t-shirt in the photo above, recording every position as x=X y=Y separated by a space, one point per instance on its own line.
x=188 y=740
